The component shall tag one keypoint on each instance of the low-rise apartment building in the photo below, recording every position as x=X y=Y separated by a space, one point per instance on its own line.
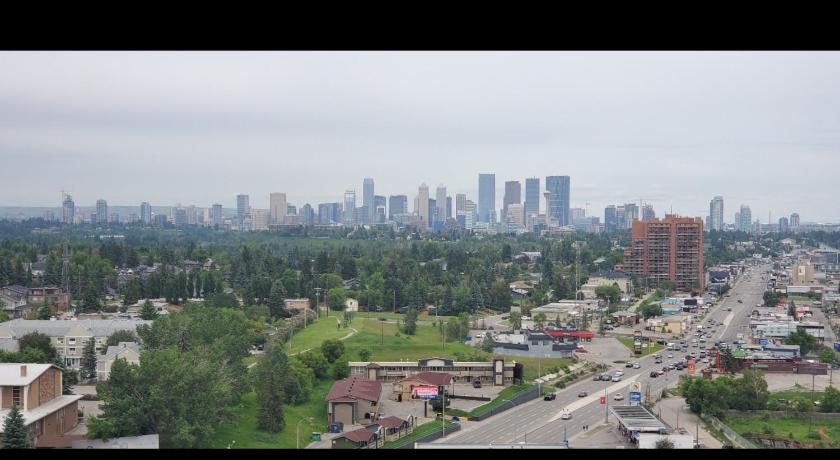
x=129 y=351
x=496 y=372
x=69 y=337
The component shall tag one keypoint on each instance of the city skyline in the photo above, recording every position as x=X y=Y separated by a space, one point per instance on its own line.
x=202 y=127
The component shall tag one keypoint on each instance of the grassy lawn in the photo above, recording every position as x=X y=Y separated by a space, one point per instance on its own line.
x=248 y=360
x=827 y=432
x=532 y=365
x=507 y=393
x=243 y=428
x=425 y=343
x=653 y=347
x=315 y=333
x=419 y=432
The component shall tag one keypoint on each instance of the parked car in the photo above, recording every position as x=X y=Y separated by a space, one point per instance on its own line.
x=550 y=397
x=660 y=372
x=476 y=383
x=618 y=397
x=653 y=374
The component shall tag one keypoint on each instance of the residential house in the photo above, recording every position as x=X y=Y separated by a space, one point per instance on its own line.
x=625 y=317
x=69 y=337
x=14 y=300
x=60 y=301
x=351 y=305
x=36 y=390
x=353 y=400
x=357 y=439
x=129 y=351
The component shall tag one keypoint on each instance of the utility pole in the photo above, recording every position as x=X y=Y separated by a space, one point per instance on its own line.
x=606 y=407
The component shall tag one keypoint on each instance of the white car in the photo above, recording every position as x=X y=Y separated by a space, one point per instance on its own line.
x=706 y=360
x=637 y=366
x=616 y=378
x=565 y=414
x=618 y=397
x=670 y=355
x=619 y=373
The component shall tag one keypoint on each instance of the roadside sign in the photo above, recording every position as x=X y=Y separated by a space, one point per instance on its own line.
x=425 y=392
x=635 y=387
x=635 y=398
x=603 y=400
x=763 y=342
x=691 y=366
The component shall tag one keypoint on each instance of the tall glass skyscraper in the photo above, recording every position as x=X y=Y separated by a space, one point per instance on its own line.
x=486 y=197
x=146 y=213
x=349 y=206
x=216 y=215
x=716 y=213
x=68 y=210
x=101 y=211
x=610 y=219
x=368 y=199
x=397 y=204
x=513 y=195
x=242 y=206
x=558 y=201
x=532 y=196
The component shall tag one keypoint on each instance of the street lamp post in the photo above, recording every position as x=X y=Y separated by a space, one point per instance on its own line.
x=297 y=431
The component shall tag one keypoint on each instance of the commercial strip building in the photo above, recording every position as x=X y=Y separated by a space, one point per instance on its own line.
x=636 y=420
x=496 y=372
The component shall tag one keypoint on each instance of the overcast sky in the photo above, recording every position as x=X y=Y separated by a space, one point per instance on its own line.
x=672 y=129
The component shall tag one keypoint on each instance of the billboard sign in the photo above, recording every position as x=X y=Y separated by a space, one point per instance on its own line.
x=691 y=366
x=635 y=398
x=424 y=392
x=636 y=387
x=763 y=342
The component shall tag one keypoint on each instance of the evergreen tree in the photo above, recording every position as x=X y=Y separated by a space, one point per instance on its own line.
x=15 y=433
x=90 y=298
x=88 y=363
x=276 y=300
x=45 y=311
x=446 y=307
x=269 y=383
x=148 y=312
x=69 y=377
x=410 y=326
x=475 y=296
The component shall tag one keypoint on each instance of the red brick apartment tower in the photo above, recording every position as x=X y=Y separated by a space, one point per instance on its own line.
x=669 y=249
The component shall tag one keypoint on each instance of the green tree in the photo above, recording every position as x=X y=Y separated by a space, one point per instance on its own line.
x=90 y=298
x=750 y=391
x=341 y=369
x=506 y=253
x=610 y=293
x=807 y=342
x=332 y=349
x=500 y=295
x=364 y=354
x=222 y=300
x=38 y=341
x=148 y=311
x=827 y=355
x=487 y=344
x=276 y=300
x=88 y=362
x=539 y=320
x=337 y=298
x=270 y=376
x=69 y=376
x=3 y=316
x=831 y=400
x=15 y=432
x=476 y=297
x=664 y=443
x=132 y=292
x=316 y=362
x=410 y=326
x=516 y=321
x=123 y=335
x=45 y=312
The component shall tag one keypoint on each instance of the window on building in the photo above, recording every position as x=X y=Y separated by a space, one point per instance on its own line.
x=16 y=396
x=72 y=350
x=71 y=341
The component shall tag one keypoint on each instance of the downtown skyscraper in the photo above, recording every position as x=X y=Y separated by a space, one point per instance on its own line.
x=68 y=210
x=513 y=195
x=278 y=208
x=101 y=211
x=716 y=213
x=146 y=213
x=532 y=196
x=243 y=206
x=368 y=197
x=745 y=223
x=558 y=200
x=440 y=203
x=397 y=204
x=422 y=206
x=486 y=197
x=349 y=206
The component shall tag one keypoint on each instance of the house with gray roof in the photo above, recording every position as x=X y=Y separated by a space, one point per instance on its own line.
x=129 y=351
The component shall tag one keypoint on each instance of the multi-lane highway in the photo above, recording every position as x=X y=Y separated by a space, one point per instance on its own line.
x=539 y=421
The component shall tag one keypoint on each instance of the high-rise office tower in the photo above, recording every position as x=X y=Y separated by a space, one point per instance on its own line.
x=669 y=249
x=486 y=197
x=648 y=214
x=610 y=219
x=329 y=213
x=433 y=214
x=532 y=196
x=192 y=215
x=577 y=214
x=422 y=208
x=291 y=210
x=513 y=195
x=216 y=215
x=367 y=199
x=101 y=211
x=448 y=207
x=470 y=214
x=68 y=210
x=746 y=218
x=708 y=223
x=114 y=218
x=756 y=227
x=242 y=206
x=737 y=221
x=783 y=224
x=460 y=203
x=379 y=200
x=349 y=206
x=277 y=207
x=558 y=200
x=146 y=213
x=180 y=217
x=716 y=213
x=794 y=221
x=440 y=203
x=397 y=204
x=514 y=218
x=631 y=213
x=621 y=217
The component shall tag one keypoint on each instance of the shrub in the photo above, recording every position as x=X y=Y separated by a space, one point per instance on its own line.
x=767 y=429
x=561 y=384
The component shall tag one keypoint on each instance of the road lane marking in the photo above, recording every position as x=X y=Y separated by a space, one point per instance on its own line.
x=583 y=402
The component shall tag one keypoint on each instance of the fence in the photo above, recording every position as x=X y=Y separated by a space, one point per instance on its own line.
x=407 y=442
x=735 y=438
x=515 y=400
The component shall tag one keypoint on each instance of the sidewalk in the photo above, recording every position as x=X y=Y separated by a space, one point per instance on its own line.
x=675 y=412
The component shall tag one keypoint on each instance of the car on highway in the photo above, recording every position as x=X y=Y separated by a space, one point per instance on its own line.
x=728 y=308
x=616 y=378
x=583 y=394
x=637 y=366
x=618 y=397
x=660 y=372
x=619 y=373
x=550 y=397
x=565 y=414
x=653 y=374
x=628 y=365
x=740 y=301
x=706 y=360
x=670 y=355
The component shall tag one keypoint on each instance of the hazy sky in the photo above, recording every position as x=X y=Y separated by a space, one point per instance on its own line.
x=672 y=129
